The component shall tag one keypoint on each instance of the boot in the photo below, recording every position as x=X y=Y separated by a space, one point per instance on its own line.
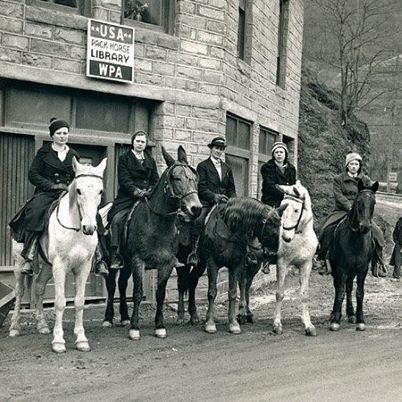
x=100 y=268
x=397 y=272
x=30 y=249
x=378 y=267
x=115 y=260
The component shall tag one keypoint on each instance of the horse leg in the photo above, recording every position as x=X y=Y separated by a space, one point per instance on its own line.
x=183 y=275
x=212 y=269
x=41 y=282
x=195 y=276
x=234 y=326
x=350 y=312
x=163 y=276
x=305 y=271
x=360 y=326
x=340 y=287
x=241 y=317
x=281 y=271
x=250 y=276
x=15 y=328
x=124 y=276
x=138 y=267
x=110 y=282
x=59 y=276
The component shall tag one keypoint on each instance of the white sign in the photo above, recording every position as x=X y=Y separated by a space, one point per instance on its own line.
x=393 y=176
x=110 y=51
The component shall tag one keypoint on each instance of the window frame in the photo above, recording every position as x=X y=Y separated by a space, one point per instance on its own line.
x=244 y=31
x=83 y=6
x=283 y=23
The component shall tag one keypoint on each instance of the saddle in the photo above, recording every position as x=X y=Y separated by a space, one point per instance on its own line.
x=127 y=223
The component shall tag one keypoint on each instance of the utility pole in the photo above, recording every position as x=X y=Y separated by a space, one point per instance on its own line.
x=390 y=156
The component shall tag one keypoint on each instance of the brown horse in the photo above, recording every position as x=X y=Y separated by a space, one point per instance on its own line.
x=224 y=241
x=151 y=238
x=350 y=254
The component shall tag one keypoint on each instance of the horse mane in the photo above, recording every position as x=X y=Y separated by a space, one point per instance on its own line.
x=244 y=214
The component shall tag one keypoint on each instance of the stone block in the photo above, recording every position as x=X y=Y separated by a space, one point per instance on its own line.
x=19 y=42
x=36 y=60
x=78 y=52
x=51 y=17
x=210 y=38
x=69 y=36
x=194 y=47
x=188 y=72
x=67 y=65
x=213 y=13
x=48 y=47
x=40 y=30
x=12 y=10
x=163 y=68
x=10 y=25
x=10 y=55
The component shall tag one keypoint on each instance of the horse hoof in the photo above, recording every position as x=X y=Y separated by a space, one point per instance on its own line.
x=352 y=319
x=83 y=346
x=234 y=329
x=124 y=323
x=311 y=331
x=160 y=333
x=13 y=333
x=44 y=330
x=194 y=320
x=250 y=319
x=334 y=326
x=58 y=347
x=278 y=330
x=134 y=334
x=241 y=319
x=360 y=326
x=210 y=328
x=107 y=324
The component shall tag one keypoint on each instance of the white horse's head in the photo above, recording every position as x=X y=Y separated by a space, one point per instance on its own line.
x=86 y=192
x=298 y=212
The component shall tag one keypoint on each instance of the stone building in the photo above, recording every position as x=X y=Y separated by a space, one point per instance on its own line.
x=201 y=68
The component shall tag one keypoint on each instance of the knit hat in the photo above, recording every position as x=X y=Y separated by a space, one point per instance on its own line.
x=353 y=156
x=217 y=142
x=55 y=124
x=279 y=144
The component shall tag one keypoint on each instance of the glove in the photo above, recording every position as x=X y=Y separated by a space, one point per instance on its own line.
x=138 y=193
x=60 y=187
x=147 y=193
x=220 y=198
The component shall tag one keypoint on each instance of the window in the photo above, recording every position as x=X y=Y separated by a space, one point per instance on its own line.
x=238 y=133
x=266 y=139
x=282 y=42
x=244 y=31
x=156 y=14
x=71 y=6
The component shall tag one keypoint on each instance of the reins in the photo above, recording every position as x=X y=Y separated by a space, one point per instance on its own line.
x=352 y=211
x=300 y=201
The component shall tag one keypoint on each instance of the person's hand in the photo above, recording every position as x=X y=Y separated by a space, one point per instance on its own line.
x=147 y=193
x=220 y=198
x=138 y=193
x=60 y=187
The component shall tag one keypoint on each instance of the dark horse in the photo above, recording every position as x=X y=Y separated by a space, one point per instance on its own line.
x=350 y=254
x=226 y=236
x=151 y=237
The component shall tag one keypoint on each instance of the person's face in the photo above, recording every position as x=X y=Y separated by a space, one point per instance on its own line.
x=139 y=143
x=217 y=151
x=60 y=136
x=353 y=166
x=279 y=155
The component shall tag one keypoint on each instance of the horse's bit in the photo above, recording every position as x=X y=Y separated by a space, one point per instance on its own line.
x=291 y=197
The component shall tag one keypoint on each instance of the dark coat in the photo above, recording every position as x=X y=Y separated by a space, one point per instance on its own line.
x=211 y=184
x=396 y=252
x=272 y=175
x=132 y=175
x=45 y=171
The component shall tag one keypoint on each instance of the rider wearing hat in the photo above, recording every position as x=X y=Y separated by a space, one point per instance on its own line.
x=345 y=191
x=51 y=172
x=216 y=185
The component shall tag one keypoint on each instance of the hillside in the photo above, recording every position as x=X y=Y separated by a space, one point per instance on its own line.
x=323 y=142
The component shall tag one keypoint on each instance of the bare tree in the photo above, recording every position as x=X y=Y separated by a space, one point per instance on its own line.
x=352 y=41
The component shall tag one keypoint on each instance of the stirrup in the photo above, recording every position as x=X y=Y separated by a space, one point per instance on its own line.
x=101 y=268
x=26 y=268
x=192 y=259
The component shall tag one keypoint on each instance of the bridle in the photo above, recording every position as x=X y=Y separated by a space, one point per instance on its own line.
x=168 y=189
x=78 y=205
x=300 y=201
x=353 y=229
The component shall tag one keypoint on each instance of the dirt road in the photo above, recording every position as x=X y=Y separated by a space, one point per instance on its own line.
x=192 y=365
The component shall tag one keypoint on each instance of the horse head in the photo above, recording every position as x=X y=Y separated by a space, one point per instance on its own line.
x=361 y=214
x=85 y=193
x=181 y=184
x=298 y=210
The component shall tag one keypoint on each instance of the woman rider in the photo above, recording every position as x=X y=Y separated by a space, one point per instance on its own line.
x=136 y=174
x=51 y=172
x=345 y=191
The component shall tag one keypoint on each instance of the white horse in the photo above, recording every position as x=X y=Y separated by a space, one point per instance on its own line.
x=69 y=244
x=297 y=246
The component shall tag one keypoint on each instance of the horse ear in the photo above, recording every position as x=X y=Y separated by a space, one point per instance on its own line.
x=168 y=159
x=75 y=164
x=281 y=209
x=280 y=188
x=296 y=191
x=181 y=155
x=102 y=166
x=375 y=186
